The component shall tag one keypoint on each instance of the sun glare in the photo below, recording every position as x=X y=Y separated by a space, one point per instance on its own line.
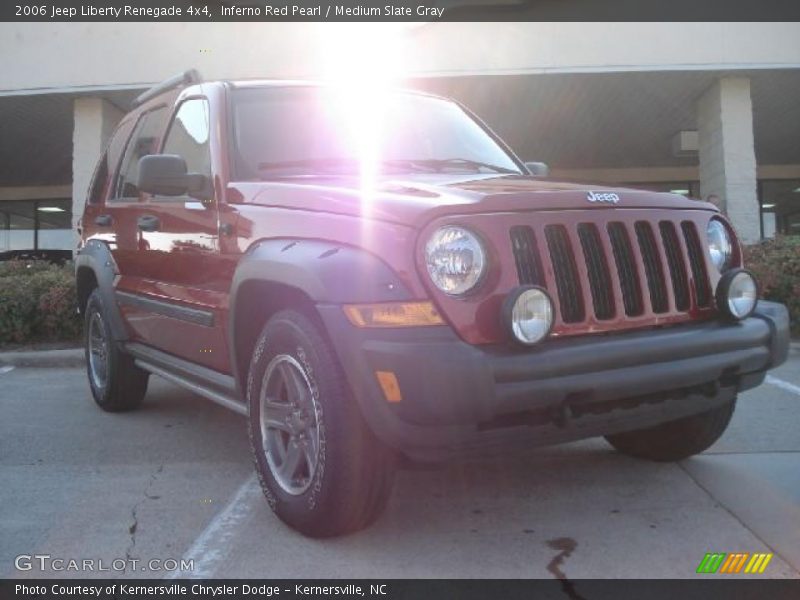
x=362 y=63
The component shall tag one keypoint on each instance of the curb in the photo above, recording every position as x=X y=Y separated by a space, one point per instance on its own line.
x=43 y=359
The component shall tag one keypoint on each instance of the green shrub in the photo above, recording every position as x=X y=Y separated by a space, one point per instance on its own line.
x=776 y=265
x=37 y=302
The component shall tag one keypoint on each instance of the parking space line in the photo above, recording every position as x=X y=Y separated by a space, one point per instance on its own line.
x=784 y=385
x=6 y=369
x=213 y=543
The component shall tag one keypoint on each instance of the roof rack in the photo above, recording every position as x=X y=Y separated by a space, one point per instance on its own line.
x=181 y=80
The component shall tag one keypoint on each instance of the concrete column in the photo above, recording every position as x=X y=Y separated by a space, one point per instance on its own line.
x=95 y=120
x=727 y=153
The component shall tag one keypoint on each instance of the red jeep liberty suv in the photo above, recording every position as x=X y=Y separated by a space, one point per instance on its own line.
x=376 y=274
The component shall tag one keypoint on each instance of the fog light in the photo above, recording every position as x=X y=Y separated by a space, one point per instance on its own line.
x=528 y=312
x=737 y=294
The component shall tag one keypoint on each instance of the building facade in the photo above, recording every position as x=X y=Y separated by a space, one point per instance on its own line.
x=710 y=110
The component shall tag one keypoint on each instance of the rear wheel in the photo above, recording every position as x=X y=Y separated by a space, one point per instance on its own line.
x=678 y=439
x=321 y=468
x=117 y=384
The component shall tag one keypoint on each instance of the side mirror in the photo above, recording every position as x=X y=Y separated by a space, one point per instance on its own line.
x=166 y=175
x=538 y=169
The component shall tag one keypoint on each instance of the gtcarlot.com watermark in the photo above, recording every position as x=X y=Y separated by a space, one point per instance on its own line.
x=47 y=562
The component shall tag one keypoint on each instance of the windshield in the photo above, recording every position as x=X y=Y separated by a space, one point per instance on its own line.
x=300 y=131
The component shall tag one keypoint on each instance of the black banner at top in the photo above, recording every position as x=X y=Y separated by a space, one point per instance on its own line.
x=397 y=10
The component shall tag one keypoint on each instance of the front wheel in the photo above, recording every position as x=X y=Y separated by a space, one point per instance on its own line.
x=320 y=467
x=675 y=440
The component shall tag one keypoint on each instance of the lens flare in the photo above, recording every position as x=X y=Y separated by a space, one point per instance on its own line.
x=362 y=62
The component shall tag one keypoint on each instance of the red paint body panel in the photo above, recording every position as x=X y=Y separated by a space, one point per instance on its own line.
x=335 y=211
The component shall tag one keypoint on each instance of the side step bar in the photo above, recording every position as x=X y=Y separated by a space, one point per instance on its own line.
x=204 y=382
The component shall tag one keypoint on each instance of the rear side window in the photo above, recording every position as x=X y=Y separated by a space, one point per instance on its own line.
x=108 y=163
x=144 y=141
x=99 y=181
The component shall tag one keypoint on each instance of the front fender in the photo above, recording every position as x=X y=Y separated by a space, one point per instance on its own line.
x=324 y=272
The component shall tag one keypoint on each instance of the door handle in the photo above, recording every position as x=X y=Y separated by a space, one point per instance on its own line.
x=148 y=223
x=103 y=220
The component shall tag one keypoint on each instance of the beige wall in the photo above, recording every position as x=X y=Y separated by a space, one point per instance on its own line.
x=119 y=54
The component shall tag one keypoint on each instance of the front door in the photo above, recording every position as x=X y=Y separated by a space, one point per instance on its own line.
x=180 y=296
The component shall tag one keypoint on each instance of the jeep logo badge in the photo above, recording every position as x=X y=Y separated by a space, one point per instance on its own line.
x=602 y=197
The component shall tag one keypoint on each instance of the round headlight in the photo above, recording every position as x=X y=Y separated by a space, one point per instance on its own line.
x=528 y=312
x=720 y=246
x=737 y=294
x=455 y=259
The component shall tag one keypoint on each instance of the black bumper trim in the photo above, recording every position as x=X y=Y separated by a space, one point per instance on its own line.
x=450 y=388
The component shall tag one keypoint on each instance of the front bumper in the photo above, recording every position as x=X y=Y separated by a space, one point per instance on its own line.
x=458 y=398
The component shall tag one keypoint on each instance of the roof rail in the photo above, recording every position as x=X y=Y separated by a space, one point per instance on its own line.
x=181 y=80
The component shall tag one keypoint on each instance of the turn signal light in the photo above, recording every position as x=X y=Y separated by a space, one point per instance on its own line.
x=389 y=385
x=393 y=314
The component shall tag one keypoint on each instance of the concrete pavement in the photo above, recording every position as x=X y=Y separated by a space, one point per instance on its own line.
x=174 y=479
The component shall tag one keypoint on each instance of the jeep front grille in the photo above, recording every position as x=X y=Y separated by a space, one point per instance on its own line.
x=696 y=262
x=677 y=267
x=615 y=268
x=566 y=273
x=597 y=268
x=653 y=270
x=529 y=267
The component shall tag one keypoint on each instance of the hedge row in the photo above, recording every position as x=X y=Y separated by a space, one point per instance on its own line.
x=776 y=265
x=37 y=303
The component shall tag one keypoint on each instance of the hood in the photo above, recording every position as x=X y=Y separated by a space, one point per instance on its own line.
x=415 y=200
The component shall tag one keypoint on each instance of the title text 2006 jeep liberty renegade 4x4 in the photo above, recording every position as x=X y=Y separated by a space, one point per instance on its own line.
x=367 y=276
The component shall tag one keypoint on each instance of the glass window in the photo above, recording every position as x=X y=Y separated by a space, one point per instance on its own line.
x=36 y=225
x=54 y=219
x=298 y=131
x=19 y=219
x=780 y=207
x=690 y=189
x=108 y=162
x=99 y=181
x=144 y=141
x=188 y=136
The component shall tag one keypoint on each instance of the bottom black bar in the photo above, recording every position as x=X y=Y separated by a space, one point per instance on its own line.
x=705 y=587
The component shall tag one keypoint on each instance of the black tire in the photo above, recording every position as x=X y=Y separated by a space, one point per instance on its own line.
x=676 y=440
x=348 y=486
x=123 y=385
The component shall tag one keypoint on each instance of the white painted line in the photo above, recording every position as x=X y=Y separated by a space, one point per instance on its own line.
x=784 y=385
x=6 y=369
x=213 y=544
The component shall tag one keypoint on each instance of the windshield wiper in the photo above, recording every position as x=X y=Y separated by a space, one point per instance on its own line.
x=475 y=164
x=440 y=164
x=308 y=163
x=316 y=166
